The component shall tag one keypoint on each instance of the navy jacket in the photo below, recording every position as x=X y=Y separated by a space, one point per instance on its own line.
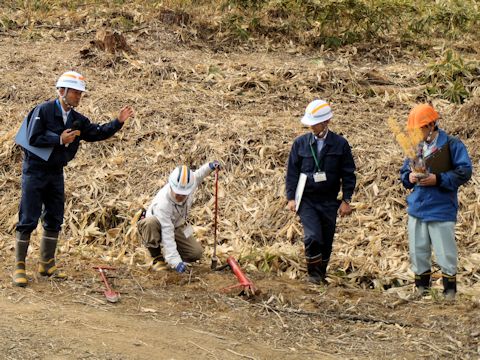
x=335 y=160
x=439 y=203
x=45 y=125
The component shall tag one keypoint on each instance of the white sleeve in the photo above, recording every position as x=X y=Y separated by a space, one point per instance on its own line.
x=169 y=246
x=201 y=173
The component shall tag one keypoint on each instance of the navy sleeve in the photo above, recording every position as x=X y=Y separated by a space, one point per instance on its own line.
x=37 y=132
x=293 y=172
x=462 y=167
x=348 y=172
x=405 y=173
x=94 y=132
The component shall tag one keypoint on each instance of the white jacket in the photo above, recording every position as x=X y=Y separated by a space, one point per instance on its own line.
x=171 y=215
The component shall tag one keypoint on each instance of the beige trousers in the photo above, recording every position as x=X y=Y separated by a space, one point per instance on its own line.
x=151 y=232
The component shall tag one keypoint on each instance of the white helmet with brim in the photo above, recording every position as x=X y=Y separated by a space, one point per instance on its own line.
x=71 y=80
x=182 y=180
x=317 y=112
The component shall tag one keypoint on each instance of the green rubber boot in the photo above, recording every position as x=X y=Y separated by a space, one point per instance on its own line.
x=21 y=247
x=48 y=246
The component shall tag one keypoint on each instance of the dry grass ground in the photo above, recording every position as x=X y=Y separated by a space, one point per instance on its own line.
x=240 y=104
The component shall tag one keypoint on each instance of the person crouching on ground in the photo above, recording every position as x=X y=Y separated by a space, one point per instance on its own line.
x=165 y=228
x=326 y=160
x=433 y=203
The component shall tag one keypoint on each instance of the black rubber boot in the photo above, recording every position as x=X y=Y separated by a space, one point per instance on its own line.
x=317 y=271
x=48 y=246
x=323 y=269
x=422 y=283
x=21 y=247
x=156 y=254
x=449 y=286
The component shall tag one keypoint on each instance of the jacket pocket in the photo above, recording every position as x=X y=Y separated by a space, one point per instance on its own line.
x=332 y=162
x=308 y=163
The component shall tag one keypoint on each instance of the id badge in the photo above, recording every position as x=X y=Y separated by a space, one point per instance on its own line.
x=188 y=231
x=319 y=176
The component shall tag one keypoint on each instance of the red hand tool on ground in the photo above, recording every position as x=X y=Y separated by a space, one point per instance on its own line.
x=111 y=295
x=247 y=286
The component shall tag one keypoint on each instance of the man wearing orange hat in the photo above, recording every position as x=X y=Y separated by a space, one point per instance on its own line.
x=324 y=159
x=433 y=203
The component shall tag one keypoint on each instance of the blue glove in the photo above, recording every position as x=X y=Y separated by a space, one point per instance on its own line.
x=180 y=268
x=215 y=164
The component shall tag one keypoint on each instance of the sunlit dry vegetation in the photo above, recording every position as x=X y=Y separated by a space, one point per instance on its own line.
x=235 y=91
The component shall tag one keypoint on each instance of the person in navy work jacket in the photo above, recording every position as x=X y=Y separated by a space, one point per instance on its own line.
x=53 y=125
x=433 y=203
x=326 y=159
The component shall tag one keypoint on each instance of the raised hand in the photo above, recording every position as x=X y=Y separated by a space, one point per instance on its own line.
x=125 y=113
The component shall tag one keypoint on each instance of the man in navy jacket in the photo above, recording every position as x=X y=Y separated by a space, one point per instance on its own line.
x=433 y=203
x=56 y=127
x=326 y=160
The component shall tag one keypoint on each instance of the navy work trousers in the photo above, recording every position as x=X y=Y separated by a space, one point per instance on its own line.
x=319 y=219
x=41 y=189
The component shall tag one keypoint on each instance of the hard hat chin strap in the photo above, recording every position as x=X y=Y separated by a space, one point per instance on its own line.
x=64 y=99
x=320 y=135
x=430 y=133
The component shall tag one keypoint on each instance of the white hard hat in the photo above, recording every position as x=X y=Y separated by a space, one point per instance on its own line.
x=182 y=180
x=317 y=112
x=71 y=80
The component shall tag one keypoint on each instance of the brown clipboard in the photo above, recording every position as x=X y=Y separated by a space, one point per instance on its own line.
x=440 y=161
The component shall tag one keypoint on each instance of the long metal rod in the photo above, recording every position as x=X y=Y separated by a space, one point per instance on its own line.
x=214 y=256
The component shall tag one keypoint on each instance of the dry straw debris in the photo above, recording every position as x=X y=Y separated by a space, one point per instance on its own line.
x=240 y=108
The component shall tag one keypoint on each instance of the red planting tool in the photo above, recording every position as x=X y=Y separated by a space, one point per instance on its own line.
x=244 y=282
x=214 y=256
x=111 y=295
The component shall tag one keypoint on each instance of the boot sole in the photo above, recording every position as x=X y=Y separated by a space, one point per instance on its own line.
x=20 y=284
x=51 y=272
x=316 y=281
x=19 y=277
x=54 y=276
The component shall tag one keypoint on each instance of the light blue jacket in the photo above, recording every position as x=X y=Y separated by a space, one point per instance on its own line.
x=440 y=202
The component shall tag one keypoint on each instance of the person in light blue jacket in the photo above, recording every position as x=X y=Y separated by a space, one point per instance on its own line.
x=433 y=202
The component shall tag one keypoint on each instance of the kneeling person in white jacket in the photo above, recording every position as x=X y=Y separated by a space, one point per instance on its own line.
x=165 y=227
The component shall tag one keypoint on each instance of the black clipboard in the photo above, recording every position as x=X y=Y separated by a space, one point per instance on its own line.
x=440 y=161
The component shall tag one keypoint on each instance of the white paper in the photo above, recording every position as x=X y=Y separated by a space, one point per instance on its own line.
x=188 y=230
x=319 y=177
x=302 y=180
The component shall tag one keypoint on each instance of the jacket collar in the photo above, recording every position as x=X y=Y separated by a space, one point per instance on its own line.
x=329 y=138
x=442 y=138
x=58 y=113
x=325 y=139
